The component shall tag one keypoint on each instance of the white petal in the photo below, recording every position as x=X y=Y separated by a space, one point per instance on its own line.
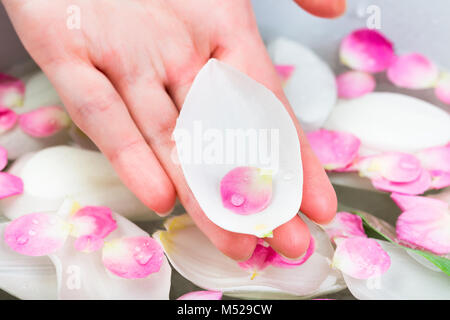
x=83 y=276
x=55 y=173
x=26 y=277
x=406 y=279
x=223 y=99
x=391 y=122
x=196 y=258
x=311 y=89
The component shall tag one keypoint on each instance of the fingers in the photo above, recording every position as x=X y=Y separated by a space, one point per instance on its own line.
x=100 y=112
x=323 y=8
x=155 y=115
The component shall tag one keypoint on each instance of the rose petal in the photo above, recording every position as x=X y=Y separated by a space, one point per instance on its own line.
x=284 y=71
x=361 y=258
x=3 y=158
x=436 y=158
x=439 y=179
x=366 y=50
x=12 y=91
x=426 y=226
x=44 y=122
x=246 y=190
x=8 y=119
x=354 y=84
x=442 y=88
x=413 y=71
x=132 y=258
x=36 y=234
x=335 y=150
x=418 y=186
x=91 y=225
x=202 y=295
x=406 y=202
x=392 y=166
x=261 y=258
x=10 y=185
x=345 y=225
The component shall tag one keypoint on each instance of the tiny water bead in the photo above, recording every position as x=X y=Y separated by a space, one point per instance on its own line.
x=246 y=190
x=21 y=240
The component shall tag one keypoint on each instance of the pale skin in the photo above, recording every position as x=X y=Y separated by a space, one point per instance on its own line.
x=123 y=77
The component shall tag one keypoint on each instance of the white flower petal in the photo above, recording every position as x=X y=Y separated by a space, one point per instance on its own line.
x=311 y=89
x=39 y=92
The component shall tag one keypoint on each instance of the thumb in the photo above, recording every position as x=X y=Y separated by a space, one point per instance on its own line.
x=323 y=8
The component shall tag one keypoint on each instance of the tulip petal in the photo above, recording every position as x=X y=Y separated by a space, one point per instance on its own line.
x=199 y=261
x=335 y=150
x=413 y=71
x=392 y=166
x=354 y=84
x=442 y=88
x=223 y=102
x=345 y=225
x=11 y=91
x=10 y=185
x=311 y=89
x=90 y=225
x=86 y=176
x=415 y=187
x=406 y=279
x=202 y=295
x=366 y=50
x=8 y=119
x=44 y=121
x=436 y=158
x=36 y=234
x=391 y=122
x=360 y=258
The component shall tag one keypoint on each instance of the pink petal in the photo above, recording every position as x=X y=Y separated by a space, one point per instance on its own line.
x=12 y=91
x=361 y=258
x=44 y=122
x=36 y=234
x=436 y=158
x=367 y=50
x=345 y=225
x=246 y=190
x=282 y=262
x=285 y=71
x=3 y=158
x=426 y=226
x=439 y=179
x=442 y=88
x=202 y=295
x=8 y=119
x=10 y=185
x=132 y=258
x=354 y=84
x=335 y=150
x=406 y=202
x=261 y=258
x=418 y=186
x=392 y=166
x=413 y=71
x=91 y=225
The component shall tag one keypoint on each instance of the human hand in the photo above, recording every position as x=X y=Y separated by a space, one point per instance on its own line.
x=123 y=77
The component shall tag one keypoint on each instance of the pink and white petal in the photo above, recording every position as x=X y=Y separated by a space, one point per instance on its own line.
x=284 y=71
x=416 y=187
x=360 y=258
x=246 y=190
x=393 y=166
x=91 y=225
x=345 y=225
x=202 y=295
x=282 y=262
x=133 y=257
x=10 y=185
x=36 y=234
x=406 y=202
x=435 y=158
x=413 y=71
x=12 y=91
x=439 y=179
x=8 y=119
x=442 y=88
x=426 y=227
x=3 y=158
x=354 y=84
x=335 y=150
x=44 y=121
x=366 y=50
x=396 y=283
x=261 y=258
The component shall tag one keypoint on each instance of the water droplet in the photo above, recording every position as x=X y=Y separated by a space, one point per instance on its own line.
x=31 y=232
x=22 y=240
x=143 y=257
x=237 y=200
